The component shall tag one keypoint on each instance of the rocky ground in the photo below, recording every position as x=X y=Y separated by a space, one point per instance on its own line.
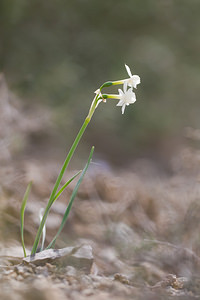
x=132 y=234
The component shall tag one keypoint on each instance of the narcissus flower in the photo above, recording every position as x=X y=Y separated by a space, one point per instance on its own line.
x=127 y=96
x=134 y=80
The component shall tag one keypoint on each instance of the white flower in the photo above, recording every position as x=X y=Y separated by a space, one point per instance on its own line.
x=126 y=97
x=134 y=80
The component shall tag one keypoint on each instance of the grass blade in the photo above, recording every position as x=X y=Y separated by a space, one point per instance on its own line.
x=23 y=206
x=46 y=212
x=71 y=200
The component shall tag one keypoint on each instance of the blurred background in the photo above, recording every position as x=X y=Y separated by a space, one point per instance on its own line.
x=55 y=54
x=141 y=204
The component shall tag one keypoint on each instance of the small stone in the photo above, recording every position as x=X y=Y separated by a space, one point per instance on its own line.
x=79 y=257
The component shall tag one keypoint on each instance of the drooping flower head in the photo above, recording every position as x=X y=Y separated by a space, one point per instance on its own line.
x=125 y=96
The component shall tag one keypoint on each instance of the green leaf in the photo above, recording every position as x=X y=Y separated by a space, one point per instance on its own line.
x=71 y=200
x=58 y=180
x=65 y=185
x=46 y=212
x=23 y=206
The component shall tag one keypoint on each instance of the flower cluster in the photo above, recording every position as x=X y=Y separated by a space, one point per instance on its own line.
x=125 y=96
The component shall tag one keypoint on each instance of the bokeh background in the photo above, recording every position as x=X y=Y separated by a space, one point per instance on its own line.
x=139 y=203
x=55 y=54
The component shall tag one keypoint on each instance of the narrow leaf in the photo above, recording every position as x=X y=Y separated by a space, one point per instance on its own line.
x=71 y=200
x=23 y=206
x=46 y=212
x=66 y=184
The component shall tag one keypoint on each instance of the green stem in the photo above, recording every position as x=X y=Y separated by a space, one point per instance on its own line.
x=109 y=83
x=66 y=162
x=71 y=200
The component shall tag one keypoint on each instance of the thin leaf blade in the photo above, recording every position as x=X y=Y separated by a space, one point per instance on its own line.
x=23 y=206
x=65 y=185
x=46 y=212
x=71 y=200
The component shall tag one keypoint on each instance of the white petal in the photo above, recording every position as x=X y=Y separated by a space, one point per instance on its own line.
x=128 y=70
x=132 y=101
x=120 y=103
x=125 y=86
x=123 y=108
x=130 y=93
x=120 y=92
x=134 y=81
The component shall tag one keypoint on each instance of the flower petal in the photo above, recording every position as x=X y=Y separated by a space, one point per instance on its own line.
x=125 y=86
x=128 y=70
x=123 y=108
x=120 y=103
x=134 y=81
x=120 y=92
